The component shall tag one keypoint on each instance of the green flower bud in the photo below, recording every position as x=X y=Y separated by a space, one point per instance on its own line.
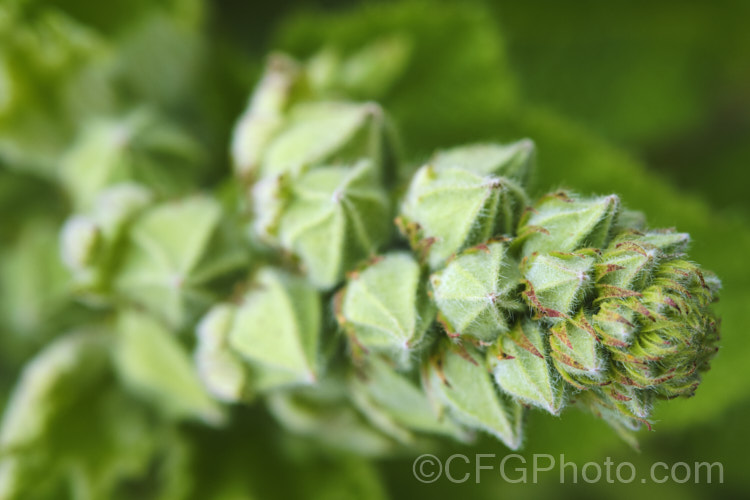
x=334 y=218
x=89 y=242
x=465 y=197
x=385 y=307
x=557 y=283
x=561 y=222
x=457 y=378
x=371 y=70
x=172 y=253
x=117 y=205
x=395 y=404
x=276 y=330
x=476 y=293
x=623 y=407
x=654 y=315
x=68 y=367
x=265 y=114
x=291 y=124
x=520 y=364
x=269 y=198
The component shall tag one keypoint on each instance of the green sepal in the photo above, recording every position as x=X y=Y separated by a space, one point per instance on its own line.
x=395 y=404
x=513 y=161
x=277 y=329
x=562 y=222
x=221 y=370
x=325 y=132
x=520 y=365
x=557 y=283
x=457 y=377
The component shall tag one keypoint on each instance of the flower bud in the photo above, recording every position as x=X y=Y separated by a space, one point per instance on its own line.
x=264 y=115
x=465 y=197
x=385 y=308
x=576 y=352
x=476 y=293
x=334 y=218
x=80 y=241
x=171 y=254
x=89 y=243
x=513 y=161
x=325 y=415
x=140 y=147
x=327 y=132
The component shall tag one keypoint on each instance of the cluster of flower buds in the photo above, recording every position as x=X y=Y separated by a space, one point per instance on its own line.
x=489 y=304
x=135 y=236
